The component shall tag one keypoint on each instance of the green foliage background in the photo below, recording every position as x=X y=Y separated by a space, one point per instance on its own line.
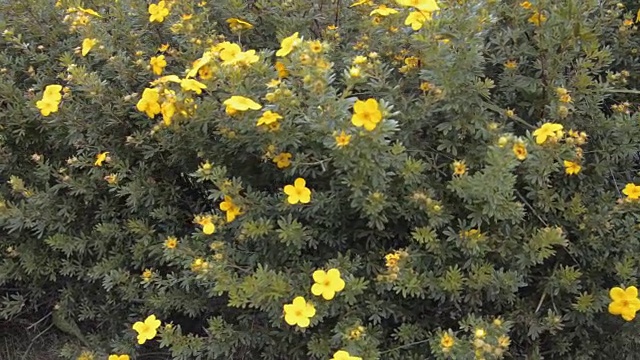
x=551 y=245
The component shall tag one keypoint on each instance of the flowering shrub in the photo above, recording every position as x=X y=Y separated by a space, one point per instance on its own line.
x=294 y=179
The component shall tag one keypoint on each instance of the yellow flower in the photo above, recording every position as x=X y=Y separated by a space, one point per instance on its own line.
x=520 y=150
x=344 y=355
x=632 y=191
x=199 y=265
x=168 y=110
x=163 y=47
x=146 y=275
x=166 y=79
x=342 y=139
x=100 y=158
x=511 y=64
x=354 y=72
x=47 y=106
x=158 y=63
x=459 y=168
x=361 y=2
x=547 y=130
x=287 y=45
x=192 y=85
x=118 y=357
x=281 y=69
x=230 y=208
x=206 y=222
x=359 y=60
x=158 y=12
x=383 y=10
x=480 y=333
x=422 y=5
x=147 y=330
x=268 y=117
x=416 y=19
x=199 y=63
x=504 y=341
x=299 y=312
x=391 y=260
x=447 y=341
x=87 y=44
x=238 y=25
x=148 y=103
x=537 y=18
x=316 y=46
x=624 y=302
x=241 y=103
x=205 y=72
x=525 y=5
x=282 y=160
x=327 y=284
x=171 y=242
x=298 y=192
x=366 y=113
x=111 y=179
x=571 y=168
x=638 y=16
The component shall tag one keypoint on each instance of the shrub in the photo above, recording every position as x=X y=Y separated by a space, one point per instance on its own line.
x=315 y=179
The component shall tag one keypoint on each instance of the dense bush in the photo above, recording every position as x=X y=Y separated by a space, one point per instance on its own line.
x=321 y=179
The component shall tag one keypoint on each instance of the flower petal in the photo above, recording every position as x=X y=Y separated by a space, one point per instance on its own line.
x=616 y=293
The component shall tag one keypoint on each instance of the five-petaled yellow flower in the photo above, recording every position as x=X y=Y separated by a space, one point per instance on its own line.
x=230 y=208
x=327 y=284
x=288 y=44
x=459 y=167
x=344 y=355
x=298 y=192
x=416 y=19
x=299 y=312
x=342 y=139
x=147 y=330
x=422 y=5
x=282 y=160
x=157 y=12
x=148 y=103
x=383 y=10
x=366 y=113
x=447 y=341
x=571 y=168
x=118 y=357
x=158 y=63
x=520 y=150
x=100 y=158
x=268 y=117
x=87 y=45
x=50 y=99
x=192 y=85
x=624 y=302
x=171 y=242
x=240 y=103
x=547 y=130
x=632 y=191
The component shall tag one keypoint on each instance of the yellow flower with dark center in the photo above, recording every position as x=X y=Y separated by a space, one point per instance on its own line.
x=447 y=341
x=147 y=330
x=268 y=117
x=520 y=150
x=288 y=44
x=511 y=64
x=118 y=357
x=100 y=158
x=205 y=72
x=366 y=113
x=299 y=312
x=422 y=5
x=232 y=210
x=192 y=85
x=158 y=63
x=327 y=284
x=87 y=45
x=342 y=139
x=315 y=46
x=171 y=242
x=416 y=19
x=547 y=130
x=157 y=12
x=241 y=103
x=459 y=167
x=632 y=191
x=624 y=302
x=282 y=160
x=148 y=103
x=298 y=192
x=239 y=25
x=344 y=355
x=571 y=168
x=383 y=10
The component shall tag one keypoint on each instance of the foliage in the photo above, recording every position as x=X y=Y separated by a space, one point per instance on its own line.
x=162 y=177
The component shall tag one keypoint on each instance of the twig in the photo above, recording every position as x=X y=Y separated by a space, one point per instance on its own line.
x=615 y=183
x=544 y=294
x=24 y=356
x=404 y=346
x=531 y=208
x=39 y=321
